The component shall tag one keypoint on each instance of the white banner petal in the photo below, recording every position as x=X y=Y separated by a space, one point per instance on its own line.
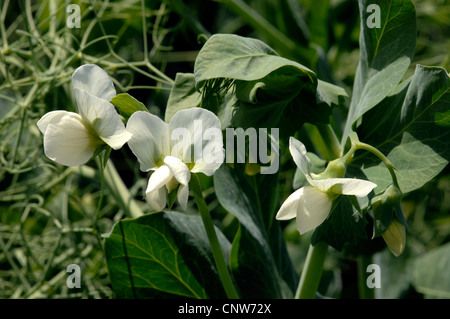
x=94 y=80
x=150 y=142
x=197 y=138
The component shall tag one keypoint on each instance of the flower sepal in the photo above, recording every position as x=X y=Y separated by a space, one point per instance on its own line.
x=389 y=221
x=334 y=169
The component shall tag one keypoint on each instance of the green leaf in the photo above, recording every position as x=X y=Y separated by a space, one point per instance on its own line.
x=330 y=94
x=234 y=57
x=127 y=105
x=431 y=274
x=252 y=261
x=407 y=133
x=165 y=254
x=183 y=95
x=271 y=91
x=385 y=55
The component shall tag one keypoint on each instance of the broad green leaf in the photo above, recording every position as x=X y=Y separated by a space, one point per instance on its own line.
x=183 y=95
x=407 y=133
x=431 y=275
x=234 y=57
x=127 y=105
x=271 y=91
x=385 y=55
x=253 y=262
x=163 y=255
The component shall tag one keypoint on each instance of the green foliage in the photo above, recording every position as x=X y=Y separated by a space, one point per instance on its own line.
x=162 y=255
x=385 y=55
x=262 y=64
x=259 y=259
x=410 y=131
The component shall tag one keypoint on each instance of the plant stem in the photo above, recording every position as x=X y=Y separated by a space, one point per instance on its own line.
x=219 y=260
x=384 y=159
x=357 y=145
x=312 y=271
x=363 y=290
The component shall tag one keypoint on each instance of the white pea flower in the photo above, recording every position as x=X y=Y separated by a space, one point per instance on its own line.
x=190 y=142
x=71 y=138
x=311 y=205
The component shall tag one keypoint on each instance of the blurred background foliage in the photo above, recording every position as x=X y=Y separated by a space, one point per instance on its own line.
x=47 y=211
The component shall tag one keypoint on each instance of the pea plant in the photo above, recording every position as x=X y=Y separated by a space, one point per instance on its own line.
x=249 y=156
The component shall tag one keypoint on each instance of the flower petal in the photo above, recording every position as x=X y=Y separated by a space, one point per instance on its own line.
x=344 y=186
x=288 y=209
x=298 y=152
x=313 y=208
x=94 y=80
x=197 y=138
x=150 y=141
x=159 y=178
x=183 y=196
x=156 y=193
x=178 y=169
x=68 y=142
x=103 y=118
x=51 y=118
x=157 y=198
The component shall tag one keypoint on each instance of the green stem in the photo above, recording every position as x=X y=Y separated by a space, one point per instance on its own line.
x=218 y=256
x=357 y=145
x=312 y=271
x=101 y=168
x=364 y=291
x=384 y=159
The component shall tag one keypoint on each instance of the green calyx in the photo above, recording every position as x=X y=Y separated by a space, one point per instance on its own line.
x=391 y=196
x=335 y=169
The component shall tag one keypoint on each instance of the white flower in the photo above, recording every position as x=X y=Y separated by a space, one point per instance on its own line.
x=71 y=138
x=311 y=205
x=190 y=142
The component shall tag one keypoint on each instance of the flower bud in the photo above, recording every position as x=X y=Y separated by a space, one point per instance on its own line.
x=395 y=237
x=385 y=207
